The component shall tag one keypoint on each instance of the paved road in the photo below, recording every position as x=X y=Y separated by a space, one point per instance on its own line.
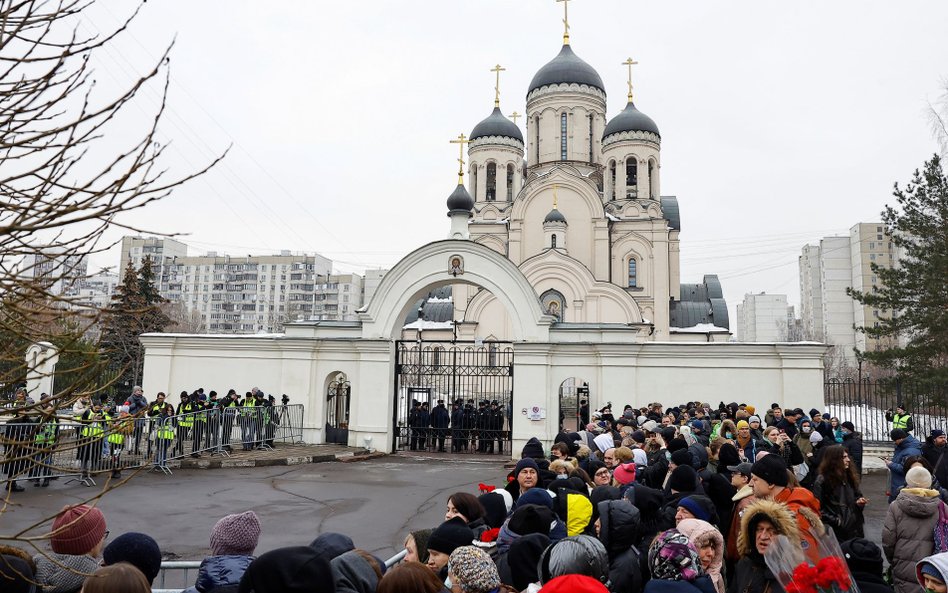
x=376 y=502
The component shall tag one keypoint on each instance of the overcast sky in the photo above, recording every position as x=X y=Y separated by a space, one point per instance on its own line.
x=781 y=122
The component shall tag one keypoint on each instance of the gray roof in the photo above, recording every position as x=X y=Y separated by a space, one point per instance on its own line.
x=496 y=125
x=566 y=67
x=438 y=311
x=630 y=119
x=700 y=303
x=460 y=200
x=670 y=212
x=554 y=216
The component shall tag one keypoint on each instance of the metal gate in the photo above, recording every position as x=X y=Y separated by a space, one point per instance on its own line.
x=337 y=413
x=473 y=382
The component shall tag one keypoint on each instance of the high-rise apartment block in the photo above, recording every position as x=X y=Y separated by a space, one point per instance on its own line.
x=763 y=318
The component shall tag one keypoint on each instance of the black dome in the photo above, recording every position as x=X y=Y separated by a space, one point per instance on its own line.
x=460 y=200
x=631 y=120
x=569 y=68
x=496 y=125
x=554 y=216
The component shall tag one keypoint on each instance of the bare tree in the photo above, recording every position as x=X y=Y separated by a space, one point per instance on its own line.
x=65 y=180
x=938 y=116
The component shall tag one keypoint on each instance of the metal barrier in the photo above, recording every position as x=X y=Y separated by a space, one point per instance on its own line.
x=49 y=447
x=180 y=582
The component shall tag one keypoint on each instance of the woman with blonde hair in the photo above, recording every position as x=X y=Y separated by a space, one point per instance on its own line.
x=117 y=578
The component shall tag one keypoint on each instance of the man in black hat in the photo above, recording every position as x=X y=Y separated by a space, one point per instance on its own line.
x=457 y=426
x=496 y=419
x=439 y=423
x=483 y=422
x=469 y=425
x=414 y=424
x=934 y=451
x=900 y=419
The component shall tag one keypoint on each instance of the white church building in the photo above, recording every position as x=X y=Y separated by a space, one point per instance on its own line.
x=559 y=281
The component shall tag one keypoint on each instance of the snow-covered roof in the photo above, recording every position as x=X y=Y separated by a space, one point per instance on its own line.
x=434 y=299
x=701 y=328
x=424 y=324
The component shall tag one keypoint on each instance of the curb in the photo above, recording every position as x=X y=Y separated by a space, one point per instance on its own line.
x=226 y=462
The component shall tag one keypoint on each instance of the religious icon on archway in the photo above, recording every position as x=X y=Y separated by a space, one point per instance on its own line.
x=456 y=265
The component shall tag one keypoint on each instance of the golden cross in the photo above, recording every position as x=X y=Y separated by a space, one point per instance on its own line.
x=461 y=141
x=565 y=21
x=514 y=117
x=497 y=70
x=630 y=62
x=554 y=196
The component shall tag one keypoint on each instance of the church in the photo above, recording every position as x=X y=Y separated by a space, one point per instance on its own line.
x=557 y=287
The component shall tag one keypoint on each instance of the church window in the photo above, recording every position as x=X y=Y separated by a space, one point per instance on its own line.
x=612 y=180
x=631 y=175
x=474 y=181
x=562 y=136
x=536 y=134
x=633 y=273
x=492 y=355
x=553 y=241
x=651 y=179
x=491 y=182
x=510 y=182
x=591 y=159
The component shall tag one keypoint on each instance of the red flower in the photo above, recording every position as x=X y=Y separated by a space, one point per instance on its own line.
x=832 y=571
x=486 y=488
x=490 y=535
x=804 y=578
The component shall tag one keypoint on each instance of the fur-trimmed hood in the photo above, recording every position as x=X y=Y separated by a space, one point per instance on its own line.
x=777 y=513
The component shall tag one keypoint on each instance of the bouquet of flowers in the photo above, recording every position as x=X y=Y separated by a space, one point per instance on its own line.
x=824 y=570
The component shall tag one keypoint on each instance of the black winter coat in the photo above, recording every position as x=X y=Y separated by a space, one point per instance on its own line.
x=751 y=575
x=653 y=475
x=935 y=455
x=852 y=442
x=870 y=583
x=838 y=508
x=619 y=529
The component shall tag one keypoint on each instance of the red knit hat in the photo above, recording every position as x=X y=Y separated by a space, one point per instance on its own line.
x=574 y=583
x=625 y=473
x=77 y=530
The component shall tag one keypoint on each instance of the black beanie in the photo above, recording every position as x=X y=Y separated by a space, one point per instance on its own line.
x=683 y=478
x=728 y=455
x=849 y=426
x=495 y=507
x=450 y=535
x=771 y=469
x=897 y=434
x=682 y=457
x=523 y=558
x=288 y=570
x=862 y=555
x=138 y=549
x=676 y=444
x=668 y=433
x=531 y=518
x=533 y=449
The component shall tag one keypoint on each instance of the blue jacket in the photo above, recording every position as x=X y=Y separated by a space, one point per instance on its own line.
x=220 y=571
x=910 y=446
x=701 y=584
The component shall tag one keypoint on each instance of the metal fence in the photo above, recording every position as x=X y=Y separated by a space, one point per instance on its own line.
x=46 y=447
x=865 y=402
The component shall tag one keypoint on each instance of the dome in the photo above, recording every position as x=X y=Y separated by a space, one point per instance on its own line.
x=497 y=125
x=460 y=200
x=630 y=120
x=569 y=68
x=554 y=216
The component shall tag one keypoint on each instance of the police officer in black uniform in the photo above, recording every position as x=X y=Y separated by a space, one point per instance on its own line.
x=439 y=423
x=458 y=442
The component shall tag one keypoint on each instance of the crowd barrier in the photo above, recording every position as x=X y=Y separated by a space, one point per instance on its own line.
x=56 y=447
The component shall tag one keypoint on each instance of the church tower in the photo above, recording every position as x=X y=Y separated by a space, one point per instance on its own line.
x=496 y=155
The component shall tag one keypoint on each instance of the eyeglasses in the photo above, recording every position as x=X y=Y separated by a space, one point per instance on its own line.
x=602 y=472
x=105 y=535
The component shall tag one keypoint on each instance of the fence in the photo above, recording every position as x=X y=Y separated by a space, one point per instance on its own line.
x=864 y=402
x=42 y=448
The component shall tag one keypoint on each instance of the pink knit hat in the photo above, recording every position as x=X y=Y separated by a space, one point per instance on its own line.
x=625 y=473
x=236 y=535
x=77 y=530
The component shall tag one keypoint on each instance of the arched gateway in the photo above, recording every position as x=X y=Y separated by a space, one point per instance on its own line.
x=453 y=395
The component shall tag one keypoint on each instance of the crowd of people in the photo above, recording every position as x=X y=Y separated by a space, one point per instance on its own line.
x=105 y=430
x=685 y=500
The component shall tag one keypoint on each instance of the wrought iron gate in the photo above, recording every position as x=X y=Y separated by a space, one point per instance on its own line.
x=474 y=380
x=337 y=413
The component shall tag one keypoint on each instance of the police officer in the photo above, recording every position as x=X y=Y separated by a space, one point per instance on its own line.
x=470 y=425
x=229 y=410
x=91 y=434
x=248 y=417
x=44 y=442
x=439 y=423
x=483 y=422
x=900 y=418
x=200 y=426
x=496 y=426
x=414 y=424
x=458 y=442
x=185 y=413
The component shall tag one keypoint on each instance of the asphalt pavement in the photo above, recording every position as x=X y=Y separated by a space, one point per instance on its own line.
x=376 y=502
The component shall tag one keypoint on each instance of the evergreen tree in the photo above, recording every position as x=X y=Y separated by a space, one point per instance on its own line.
x=912 y=294
x=154 y=318
x=124 y=322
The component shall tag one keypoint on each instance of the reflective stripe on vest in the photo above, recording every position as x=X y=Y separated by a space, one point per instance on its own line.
x=46 y=433
x=901 y=421
x=165 y=432
x=186 y=420
x=116 y=438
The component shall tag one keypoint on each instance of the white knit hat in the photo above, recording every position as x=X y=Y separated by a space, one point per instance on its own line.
x=918 y=477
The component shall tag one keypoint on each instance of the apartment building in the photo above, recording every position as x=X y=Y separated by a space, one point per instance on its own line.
x=162 y=252
x=763 y=318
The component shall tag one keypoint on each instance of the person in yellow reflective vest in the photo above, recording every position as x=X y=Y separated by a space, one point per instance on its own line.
x=185 y=413
x=164 y=434
x=122 y=427
x=900 y=419
x=229 y=409
x=249 y=418
x=89 y=452
x=199 y=430
x=44 y=442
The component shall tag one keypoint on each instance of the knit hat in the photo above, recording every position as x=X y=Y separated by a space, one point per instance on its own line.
x=522 y=558
x=15 y=575
x=681 y=457
x=849 y=426
x=533 y=449
x=331 y=545
x=676 y=444
x=742 y=424
x=750 y=409
x=638 y=436
x=77 y=530
x=495 y=508
x=535 y=496
x=935 y=433
x=683 y=478
x=525 y=463
x=918 y=477
x=816 y=437
x=862 y=555
x=625 y=473
x=926 y=567
x=897 y=434
x=236 y=535
x=574 y=583
x=531 y=518
x=474 y=570
x=813 y=412
x=668 y=433
x=728 y=456
x=297 y=569
x=649 y=426
x=579 y=554
x=701 y=507
x=450 y=535
x=771 y=469
x=697 y=425
x=672 y=557
x=139 y=550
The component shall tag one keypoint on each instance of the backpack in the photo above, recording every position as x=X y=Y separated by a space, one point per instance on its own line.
x=941 y=530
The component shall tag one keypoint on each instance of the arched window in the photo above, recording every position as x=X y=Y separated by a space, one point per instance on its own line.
x=510 y=182
x=562 y=136
x=612 y=180
x=651 y=179
x=633 y=273
x=474 y=180
x=631 y=175
x=437 y=355
x=553 y=241
x=492 y=355
x=536 y=135
x=491 y=182
x=591 y=138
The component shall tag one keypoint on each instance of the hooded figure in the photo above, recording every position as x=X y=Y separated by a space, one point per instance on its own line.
x=618 y=531
x=865 y=563
x=582 y=554
x=520 y=568
x=702 y=534
x=751 y=574
x=352 y=573
x=935 y=567
x=675 y=566
x=908 y=528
